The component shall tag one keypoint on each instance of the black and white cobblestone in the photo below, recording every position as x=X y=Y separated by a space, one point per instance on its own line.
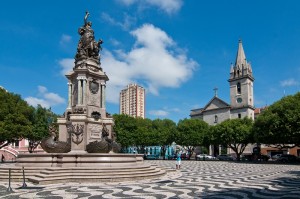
x=196 y=179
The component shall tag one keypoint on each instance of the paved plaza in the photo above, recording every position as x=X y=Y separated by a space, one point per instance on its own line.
x=196 y=179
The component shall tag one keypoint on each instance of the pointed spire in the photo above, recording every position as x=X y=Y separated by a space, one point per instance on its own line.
x=241 y=68
x=231 y=68
x=240 y=56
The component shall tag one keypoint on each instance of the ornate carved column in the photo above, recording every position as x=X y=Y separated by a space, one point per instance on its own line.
x=69 y=95
x=79 y=91
x=84 y=90
x=103 y=95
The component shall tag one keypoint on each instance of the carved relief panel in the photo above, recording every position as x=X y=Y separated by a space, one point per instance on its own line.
x=94 y=131
x=93 y=98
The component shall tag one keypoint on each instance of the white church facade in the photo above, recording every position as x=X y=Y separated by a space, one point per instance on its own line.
x=241 y=97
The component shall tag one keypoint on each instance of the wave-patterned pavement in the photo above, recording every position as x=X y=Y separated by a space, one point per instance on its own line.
x=196 y=179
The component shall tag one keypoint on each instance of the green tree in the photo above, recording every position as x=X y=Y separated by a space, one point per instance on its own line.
x=125 y=128
x=234 y=133
x=191 y=133
x=141 y=132
x=165 y=131
x=42 y=118
x=15 y=118
x=279 y=125
x=144 y=136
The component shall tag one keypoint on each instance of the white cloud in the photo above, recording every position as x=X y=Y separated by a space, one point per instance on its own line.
x=42 y=89
x=114 y=42
x=127 y=2
x=66 y=65
x=158 y=113
x=289 y=82
x=45 y=98
x=33 y=101
x=154 y=60
x=65 y=39
x=168 y=6
x=128 y=21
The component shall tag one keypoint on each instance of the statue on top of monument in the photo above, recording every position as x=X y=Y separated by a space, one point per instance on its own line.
x=88 y=47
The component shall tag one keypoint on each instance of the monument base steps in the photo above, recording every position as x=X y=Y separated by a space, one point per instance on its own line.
x=53 y=175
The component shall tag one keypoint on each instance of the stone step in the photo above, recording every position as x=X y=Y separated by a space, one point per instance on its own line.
x=16 y=170
x=82 y=173
x=92 y=171
x=16 y=173
x=95 y=178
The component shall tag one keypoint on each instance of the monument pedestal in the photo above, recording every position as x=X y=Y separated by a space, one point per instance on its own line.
x=79 y=160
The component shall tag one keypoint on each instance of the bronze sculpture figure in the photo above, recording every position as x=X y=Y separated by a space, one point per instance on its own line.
x=50 y=145
x=88 y=47
x=105 y=145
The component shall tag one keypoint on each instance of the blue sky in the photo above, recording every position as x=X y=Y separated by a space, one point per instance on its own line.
x=179 y=51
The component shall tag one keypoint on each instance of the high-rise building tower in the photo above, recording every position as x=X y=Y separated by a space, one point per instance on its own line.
x=132 y=101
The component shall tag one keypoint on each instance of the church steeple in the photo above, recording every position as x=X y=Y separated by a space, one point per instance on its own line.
x=241 y=85
x=241 y=67
x=240 y=56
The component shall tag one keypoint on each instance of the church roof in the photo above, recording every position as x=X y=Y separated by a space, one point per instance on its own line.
x=214 y=104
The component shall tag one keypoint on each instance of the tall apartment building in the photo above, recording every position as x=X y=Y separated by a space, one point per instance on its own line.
x=132 y=101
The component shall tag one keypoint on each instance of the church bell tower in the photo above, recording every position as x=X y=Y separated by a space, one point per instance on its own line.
x=241 y=86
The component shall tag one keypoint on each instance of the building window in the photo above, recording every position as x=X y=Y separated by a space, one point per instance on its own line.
x=216 y=119
x=238 y=88
x=17 y=144
x=239 y=115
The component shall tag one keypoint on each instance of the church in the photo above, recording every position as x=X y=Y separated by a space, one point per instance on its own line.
x=241 y=96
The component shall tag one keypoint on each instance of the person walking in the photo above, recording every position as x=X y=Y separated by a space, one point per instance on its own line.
x=2 y=158
x=178 y=160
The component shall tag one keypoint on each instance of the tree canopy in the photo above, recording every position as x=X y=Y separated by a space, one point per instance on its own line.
x=42 y=118
x=125 y=128
x=19 y=120
x=234 y=133
x=279 y=124
x=191 y=133
x=141 y=132
x=15 y=117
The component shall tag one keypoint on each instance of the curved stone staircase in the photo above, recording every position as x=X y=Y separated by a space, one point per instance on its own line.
x=52 y=175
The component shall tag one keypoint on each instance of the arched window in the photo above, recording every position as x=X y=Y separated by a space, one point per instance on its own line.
x=238 y=88
x=216 y=119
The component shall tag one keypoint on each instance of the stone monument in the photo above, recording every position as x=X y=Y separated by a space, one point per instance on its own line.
x=86 y=150
x=85 y=115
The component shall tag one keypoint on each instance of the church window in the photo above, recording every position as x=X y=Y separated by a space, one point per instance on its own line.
x=216 y=119
x=238 y=88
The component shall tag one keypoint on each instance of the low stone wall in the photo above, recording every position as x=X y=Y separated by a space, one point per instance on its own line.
x=79 y=160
